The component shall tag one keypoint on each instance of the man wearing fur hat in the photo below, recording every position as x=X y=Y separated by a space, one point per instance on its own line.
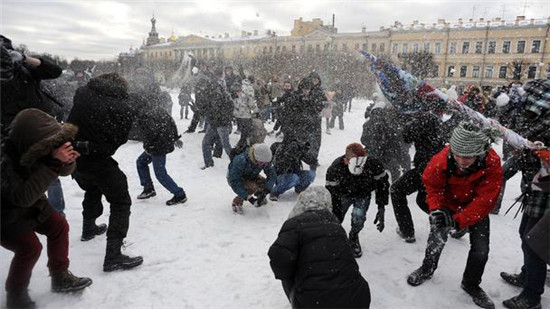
x=462 y=183
x=35 y=153
x=243 y=176
x=350 y=180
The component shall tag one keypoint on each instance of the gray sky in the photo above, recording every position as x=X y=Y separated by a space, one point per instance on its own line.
x=101 y=29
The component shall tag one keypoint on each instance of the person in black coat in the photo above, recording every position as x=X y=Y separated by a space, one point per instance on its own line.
x=313 y=259
x=104 y=114
x=313 y=100
x=350 y=180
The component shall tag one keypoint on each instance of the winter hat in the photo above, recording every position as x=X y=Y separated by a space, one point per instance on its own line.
x=261 y=153
x=357 y=149
x=313 y=198
x=469 y=141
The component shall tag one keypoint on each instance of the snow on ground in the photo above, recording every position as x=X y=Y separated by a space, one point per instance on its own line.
x=201 y=255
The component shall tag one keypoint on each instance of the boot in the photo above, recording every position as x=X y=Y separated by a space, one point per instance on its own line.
x=406 y=238
x=479 y=296
x=513 y=279
x=115 y=260
x=237 y=205
x=64 y=281
x=91 y=230
x=19 y=299
x=355 y=245
x=457 y=234
x=147 y=193
x=521 y=302
x=177 y=200
x=419 y=276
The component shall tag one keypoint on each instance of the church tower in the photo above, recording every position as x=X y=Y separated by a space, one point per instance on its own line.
x=153 y=34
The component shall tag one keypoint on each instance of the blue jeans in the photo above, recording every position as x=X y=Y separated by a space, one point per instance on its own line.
x=55 y=196
x=210 y=138
x=359 y=214
x=299 y=182
x=534 y=268
x=159 y=167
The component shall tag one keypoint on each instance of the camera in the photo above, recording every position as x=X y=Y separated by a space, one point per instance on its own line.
x=81 y=147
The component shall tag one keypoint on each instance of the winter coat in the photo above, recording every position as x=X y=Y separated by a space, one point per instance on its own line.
x=470 y=196
x=424 y=130
x=257 y=133
x=341 y=183
x=243 y=167
x=289 y=156
x=244 y=106
x=313 y=103
x=104 y=114
x=538 y=238
x=381 y=136
x=28 y=170
x=23 y=89
x=313 y=259
x=291 y=115
x=158 y=130
x=218 y=107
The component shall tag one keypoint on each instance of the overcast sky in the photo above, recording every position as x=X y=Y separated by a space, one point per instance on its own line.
x=101 y=29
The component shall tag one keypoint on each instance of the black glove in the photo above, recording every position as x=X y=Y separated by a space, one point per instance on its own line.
x=261 y=198
x=82 y=147
x=441 y=219
x=379 y=219
x=178 y=143
x=252 y=199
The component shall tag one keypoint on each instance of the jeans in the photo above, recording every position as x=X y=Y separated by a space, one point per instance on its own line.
x=245 y=126
x=159 y=167
x=299 y=181
x=55 y=196
x=407 y=184
x=534 y=268
x=208 y=141
x=359 y=214
x=477 y=257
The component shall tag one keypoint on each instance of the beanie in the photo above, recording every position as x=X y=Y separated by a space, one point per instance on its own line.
x=357 y=149
x=467 y=142
x=262 y=153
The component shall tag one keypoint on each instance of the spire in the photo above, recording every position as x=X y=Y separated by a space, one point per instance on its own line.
x=153 y=34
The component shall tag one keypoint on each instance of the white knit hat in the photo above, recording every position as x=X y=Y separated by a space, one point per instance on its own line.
x=262 y=153
x=466 y=142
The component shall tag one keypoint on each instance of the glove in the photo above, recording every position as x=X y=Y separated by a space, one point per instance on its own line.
x=261 y=199
x=379 y=219
x=178 y=143
x=252 y=199
x=16 y=56
x=82 y=147
x=441 y=219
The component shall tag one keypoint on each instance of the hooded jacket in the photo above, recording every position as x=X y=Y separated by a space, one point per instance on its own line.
x=158 y=131
x=28 y=170
x=313 y=258
x=244 y=167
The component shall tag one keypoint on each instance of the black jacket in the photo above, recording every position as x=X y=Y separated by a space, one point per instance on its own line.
x=218 y=107
x=424 y=130
x=158 y=131
x=381 y=136
x=289 y=156
x=313 y=253
x=342 y=183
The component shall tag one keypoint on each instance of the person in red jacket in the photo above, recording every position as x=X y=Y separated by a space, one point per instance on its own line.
x=462 y=183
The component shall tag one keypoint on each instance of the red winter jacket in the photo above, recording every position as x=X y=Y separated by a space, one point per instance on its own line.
x=471 y=197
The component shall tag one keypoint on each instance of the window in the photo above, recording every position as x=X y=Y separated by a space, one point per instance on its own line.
x=382 y=47
x=416 y=48
x=271 y=49
x=521 y=47
x=465 y=47
x=373 y=47
x=479 y=47
x=394 y=47
x=451 y=71
x=427 y=47
x=475 y=71
x=506 y=47
x=437 y=48
x=489 y=72
x=317 y=48
x=294 y=48
x=452 y=49
x=532 y=72
x=335 y=47
x=364 y=46
x=463 y=70
x=284 y=49
x=302 y=49
x=265 y=50
x=325 y=47
x=502 y=72
x=535 y=48
x=436 y=71
x=345 y=47
x=492 y=47
x=405 y=48
x=309 y=48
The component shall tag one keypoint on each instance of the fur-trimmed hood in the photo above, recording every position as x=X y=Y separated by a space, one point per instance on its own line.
x=35 y=134
x=313 y=198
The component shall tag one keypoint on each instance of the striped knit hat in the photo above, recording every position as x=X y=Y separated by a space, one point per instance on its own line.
x=468 y=141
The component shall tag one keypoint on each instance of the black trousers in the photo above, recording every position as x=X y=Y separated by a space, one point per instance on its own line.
x=407 y=184
x=99 y=178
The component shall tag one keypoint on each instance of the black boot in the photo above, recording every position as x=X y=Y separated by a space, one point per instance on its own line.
x=355 y=245
x=115 y=260
x=65 y=281
x=147 y=193
x=19 y=299
x=177 y=199
x=479 y=296
x=91 y=230
x=419 y=276
x=513 y=279
x=522 y=302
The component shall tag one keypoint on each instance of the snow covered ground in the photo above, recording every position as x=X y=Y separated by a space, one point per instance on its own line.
x=201 y=255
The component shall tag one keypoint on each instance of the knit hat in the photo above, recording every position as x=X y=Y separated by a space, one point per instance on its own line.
x=466 y=141
x=357 y=149
x=262 y=153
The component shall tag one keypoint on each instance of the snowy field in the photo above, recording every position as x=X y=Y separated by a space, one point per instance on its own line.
x=201 y=255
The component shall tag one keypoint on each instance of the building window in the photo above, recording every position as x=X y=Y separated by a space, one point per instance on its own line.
x=265 y=49
x=364 y=46
x=502 y=72
x=394 y=48
x=492 y=47
x=302 y=49
x=293 y=48
x=463 y=70
x=318 y=48
x=506 y=47
x=489 y=72
x=382 y=47
x=373 y=47
x=451 y=71
x=479 y=47
x=475 y=71
x=452 y=49
x=521 y=47
x=535 y=48
x=427 y=47
x=284 y=49
x=405 y=48
x=278 y=49
x=345 y=47
x=416 y=48
x=436 y=71
x=437 y=48
x=325 y=47
x=309 y=48
x=465 y=47
x=335 y=47
x=532 y=72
